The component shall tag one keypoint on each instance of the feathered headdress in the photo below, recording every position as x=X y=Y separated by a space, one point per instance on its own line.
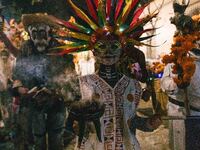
x=119 y=18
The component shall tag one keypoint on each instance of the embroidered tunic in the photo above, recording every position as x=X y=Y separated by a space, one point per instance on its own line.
x=116 y=134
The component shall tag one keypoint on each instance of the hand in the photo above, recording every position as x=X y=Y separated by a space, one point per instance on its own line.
x=22 y=90
x=154 y=122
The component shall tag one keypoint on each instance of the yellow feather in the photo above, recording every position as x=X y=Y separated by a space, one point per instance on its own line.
x=83 y=16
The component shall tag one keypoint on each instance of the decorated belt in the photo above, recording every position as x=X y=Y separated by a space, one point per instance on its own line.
x=182 y=104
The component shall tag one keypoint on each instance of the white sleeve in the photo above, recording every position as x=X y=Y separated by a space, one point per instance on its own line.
x=167 y=82
x=168 y=71
x=86 y=88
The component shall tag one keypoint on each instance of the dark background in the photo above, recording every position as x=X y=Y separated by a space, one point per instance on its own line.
x=58 y=8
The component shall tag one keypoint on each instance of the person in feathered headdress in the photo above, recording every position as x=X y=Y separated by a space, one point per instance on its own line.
x=107 y=29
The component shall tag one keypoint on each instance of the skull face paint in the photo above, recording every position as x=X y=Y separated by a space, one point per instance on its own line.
x=39 y=34
x=107 y=52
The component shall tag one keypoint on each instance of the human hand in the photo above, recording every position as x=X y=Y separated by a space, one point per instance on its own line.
x=22 y=90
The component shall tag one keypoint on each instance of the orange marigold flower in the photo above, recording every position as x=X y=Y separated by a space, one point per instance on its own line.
x=186 y=78
x=168 y=59
x=184 y=64
x=188 y=45
x=180 y=60
x=174 y=71
x=189 y=67
x=178 y=81
x=191 y=59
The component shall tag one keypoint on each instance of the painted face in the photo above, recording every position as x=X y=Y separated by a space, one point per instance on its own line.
x=39 y=34
x=107 y=52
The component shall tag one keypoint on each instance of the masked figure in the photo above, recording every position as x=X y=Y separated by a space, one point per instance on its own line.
x=183 y=22
x=41 y=110
x=106 y=36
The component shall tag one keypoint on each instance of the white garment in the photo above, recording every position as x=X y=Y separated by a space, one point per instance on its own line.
x=169 y=86
x=115 y=132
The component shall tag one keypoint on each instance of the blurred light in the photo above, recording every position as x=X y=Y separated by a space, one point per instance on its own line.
x=159 y=75
x=88 y=31
x=121 y=29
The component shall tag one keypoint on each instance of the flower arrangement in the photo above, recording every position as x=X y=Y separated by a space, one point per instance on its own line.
x=184 y=65
x=136 y=71
x=157 y=67
x=196 y=19
x=15 y=32
x=185 y=40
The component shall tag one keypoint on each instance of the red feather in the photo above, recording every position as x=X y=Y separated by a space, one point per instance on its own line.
x=96 y=3
x=67 y=51
x=70 y=25
x=67 y=24
x=137 y=14
x=108 y=7
x=134 y=3
x=141 y=21
x=118 y=8
x=91 y=10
